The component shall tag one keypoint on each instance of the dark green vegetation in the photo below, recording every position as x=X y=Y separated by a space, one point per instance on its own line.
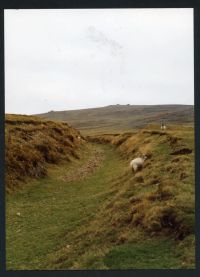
x=144 y=255
x=122 y=118
x=33 y=143
x=95 y=213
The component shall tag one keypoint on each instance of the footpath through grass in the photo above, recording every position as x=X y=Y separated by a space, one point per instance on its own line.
x=79 y=218
x=41 y=213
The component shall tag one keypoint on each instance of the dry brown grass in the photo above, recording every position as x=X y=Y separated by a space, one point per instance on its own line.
x=161 y=195
x=32 y=143
x=157 y=201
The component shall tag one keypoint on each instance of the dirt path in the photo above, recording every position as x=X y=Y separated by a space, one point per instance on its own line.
x=88 y=168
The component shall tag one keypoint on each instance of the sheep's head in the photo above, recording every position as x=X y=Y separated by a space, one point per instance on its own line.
x=144 y=157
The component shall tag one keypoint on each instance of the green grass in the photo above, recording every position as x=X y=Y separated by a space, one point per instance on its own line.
x=151 y=254
x=51 y=208
x=112 y=219
x=167 y=208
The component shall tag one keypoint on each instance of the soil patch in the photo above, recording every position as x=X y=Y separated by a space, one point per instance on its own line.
x=182 y=151
x=92 y=164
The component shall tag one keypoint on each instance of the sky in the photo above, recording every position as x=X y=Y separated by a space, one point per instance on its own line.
x=73 y=59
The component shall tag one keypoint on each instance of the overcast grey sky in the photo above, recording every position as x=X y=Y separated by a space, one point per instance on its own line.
x=71 y=59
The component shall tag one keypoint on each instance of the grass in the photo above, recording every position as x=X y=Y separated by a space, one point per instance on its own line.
x=161 y=195
x=123 y=118
x=51 y=208
x=111 y=218
x=32 y=144
x=144 y=255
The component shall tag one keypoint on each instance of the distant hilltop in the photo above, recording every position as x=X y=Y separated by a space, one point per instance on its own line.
x=123 y=117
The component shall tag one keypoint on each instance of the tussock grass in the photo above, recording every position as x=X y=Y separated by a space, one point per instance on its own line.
x=32 y=144
x=114 y=218
x=161 y=196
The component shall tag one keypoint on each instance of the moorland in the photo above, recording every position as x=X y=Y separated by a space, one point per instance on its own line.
x=73 y=202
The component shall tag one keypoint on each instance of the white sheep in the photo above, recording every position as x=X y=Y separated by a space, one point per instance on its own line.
x=163 y=127
x=137 y=163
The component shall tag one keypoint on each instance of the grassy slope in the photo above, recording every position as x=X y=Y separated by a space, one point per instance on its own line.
x=159 y=200
x=52 y=208
x=113 y=218
x=32 y=143
x=117 y=118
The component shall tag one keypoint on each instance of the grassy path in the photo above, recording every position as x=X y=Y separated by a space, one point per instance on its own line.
x=39 y=215
x=78 y=218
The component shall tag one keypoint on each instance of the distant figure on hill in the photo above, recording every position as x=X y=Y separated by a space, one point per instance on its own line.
x=163 y=127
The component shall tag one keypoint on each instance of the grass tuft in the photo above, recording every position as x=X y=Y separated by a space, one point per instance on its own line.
x=32 y=144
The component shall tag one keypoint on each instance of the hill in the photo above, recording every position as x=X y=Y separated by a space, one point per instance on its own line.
x=33 y=143
x=95 y=213
x=115 y=118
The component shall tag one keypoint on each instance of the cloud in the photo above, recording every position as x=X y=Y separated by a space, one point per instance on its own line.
x=88 y=58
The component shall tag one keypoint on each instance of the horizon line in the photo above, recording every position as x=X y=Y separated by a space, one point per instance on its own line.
x=99 y=107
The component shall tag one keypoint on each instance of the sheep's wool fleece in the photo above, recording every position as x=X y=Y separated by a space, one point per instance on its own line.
x=137 y=161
